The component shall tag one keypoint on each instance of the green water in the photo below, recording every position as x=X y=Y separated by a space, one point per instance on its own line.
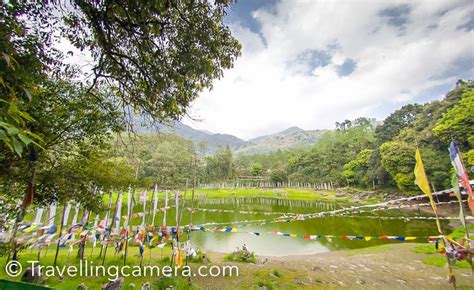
x=271 y=245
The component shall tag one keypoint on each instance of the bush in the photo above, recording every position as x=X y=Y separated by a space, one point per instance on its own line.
x=240 y=257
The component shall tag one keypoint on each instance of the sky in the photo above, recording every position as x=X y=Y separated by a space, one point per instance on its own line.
x=312 y=63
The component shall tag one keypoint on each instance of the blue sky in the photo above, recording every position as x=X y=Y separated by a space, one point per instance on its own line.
x=312 y=63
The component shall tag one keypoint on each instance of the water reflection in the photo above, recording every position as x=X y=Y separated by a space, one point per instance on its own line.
x=267 y=244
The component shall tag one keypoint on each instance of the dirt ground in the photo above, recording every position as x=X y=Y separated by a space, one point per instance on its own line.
x=394 y=266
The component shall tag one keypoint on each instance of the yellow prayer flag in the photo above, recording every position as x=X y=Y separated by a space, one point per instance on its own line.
x=179 y=260
x=420 y=176
x=422 y=181
x=410 y=238
x=368 y=238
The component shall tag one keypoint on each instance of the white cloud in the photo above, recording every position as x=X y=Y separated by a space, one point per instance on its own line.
x=266 y=91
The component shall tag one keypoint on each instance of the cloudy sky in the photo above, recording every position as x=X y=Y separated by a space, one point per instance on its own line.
x=312 y=63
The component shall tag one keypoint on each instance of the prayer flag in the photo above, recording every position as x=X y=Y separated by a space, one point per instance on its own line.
x=166 y=206
x=66 y=214
x=76 y=213
x=461 y=172
x=155 y=203
x=118 y=212
x=457 y=193
x=422 y=181
x=52 y=214
x=39 y=214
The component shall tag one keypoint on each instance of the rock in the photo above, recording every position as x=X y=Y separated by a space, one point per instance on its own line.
x=32 y=277
x=114 y=285
x=340 y=195
x=146 y=286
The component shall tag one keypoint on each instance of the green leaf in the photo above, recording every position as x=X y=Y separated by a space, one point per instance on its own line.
x=17 y=146
x=27 y=93
x=7 y=59
x=25 y=139
x=7 y=143
x=12 y=130
x=36 y=136
x=26 y=116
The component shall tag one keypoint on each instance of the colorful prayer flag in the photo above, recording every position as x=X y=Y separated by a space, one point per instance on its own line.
x=461 y=172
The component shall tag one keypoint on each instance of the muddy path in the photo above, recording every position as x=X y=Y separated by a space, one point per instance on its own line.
x=395 y=266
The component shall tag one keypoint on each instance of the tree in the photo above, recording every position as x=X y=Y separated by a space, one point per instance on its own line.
x=398 y=159
x=397 y=121
x=74 y=127
x=278 y=174
x=159 y=54
x=458 y=122
x=355 y=171
x=256 y=169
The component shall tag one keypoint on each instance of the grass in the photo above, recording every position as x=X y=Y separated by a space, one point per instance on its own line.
x=284 y=193
x=71 y=282
x=440 y=260
x=426 y=249
x=276 y=273
x=458 y=233
x=241 y=258
x=437 y=261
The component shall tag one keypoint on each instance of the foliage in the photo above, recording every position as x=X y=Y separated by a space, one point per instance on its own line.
x=220 y=166
x=159 y=54
x=151 y=58
x=396 y=122
x=241 y=257
x=22 y=66
x=355 y=170
x=278 y=174
x=256 y=169
x=398 y=159
x=166 y=160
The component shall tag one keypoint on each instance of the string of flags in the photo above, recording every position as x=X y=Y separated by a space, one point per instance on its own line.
x=400 y=206
x=315 y=236
x=335 y=213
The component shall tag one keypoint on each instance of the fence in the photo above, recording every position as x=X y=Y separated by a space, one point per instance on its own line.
x=267 y=184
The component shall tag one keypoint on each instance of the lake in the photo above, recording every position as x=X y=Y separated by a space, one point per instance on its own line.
x=274 y=245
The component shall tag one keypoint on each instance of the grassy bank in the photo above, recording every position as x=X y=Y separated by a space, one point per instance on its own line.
x=92 y=257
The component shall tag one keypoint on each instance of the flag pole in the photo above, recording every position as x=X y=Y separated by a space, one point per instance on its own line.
x=421 y=179
x=192 y=209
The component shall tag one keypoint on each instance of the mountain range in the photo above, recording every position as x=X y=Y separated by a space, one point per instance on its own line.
x=286 y=139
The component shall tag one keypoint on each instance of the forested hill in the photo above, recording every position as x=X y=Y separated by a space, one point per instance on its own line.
x=292 y=137
x=210 y=141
